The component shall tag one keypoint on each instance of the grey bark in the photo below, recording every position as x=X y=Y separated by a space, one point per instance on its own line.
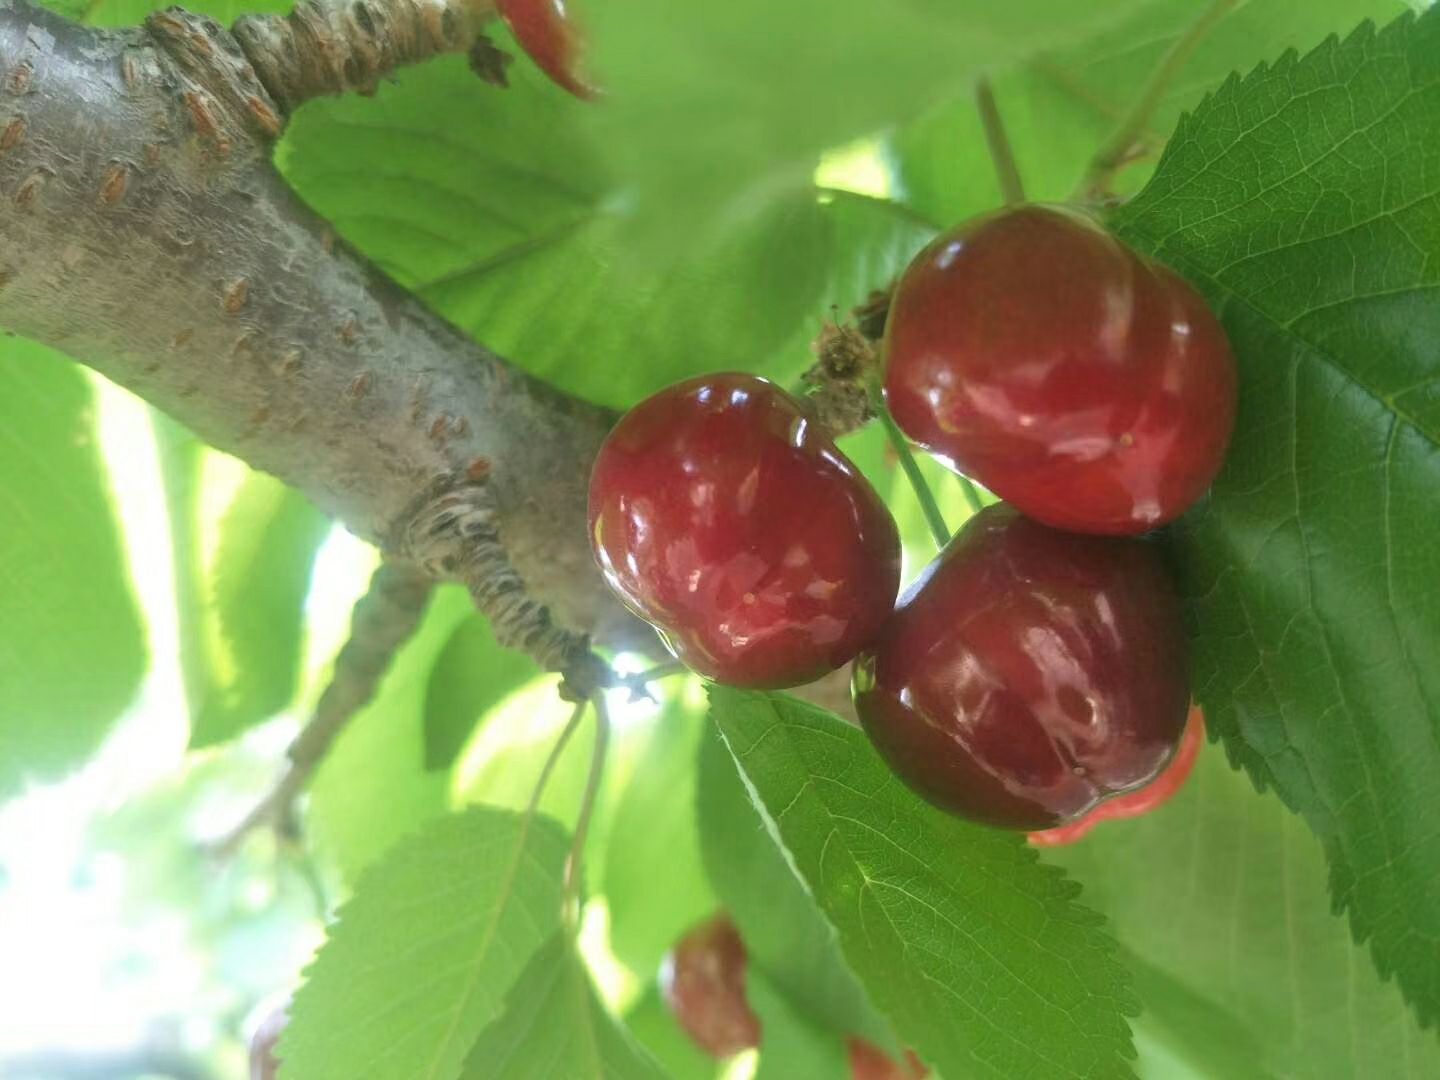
x=144 y=232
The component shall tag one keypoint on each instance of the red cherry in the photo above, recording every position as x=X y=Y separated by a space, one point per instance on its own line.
x=1029 y=674
x=1087 y=386
x=723 y=515
x=264 y=1065
x=1135 y=803
x=869 y=1062
x=703 y=982
x=545 y=30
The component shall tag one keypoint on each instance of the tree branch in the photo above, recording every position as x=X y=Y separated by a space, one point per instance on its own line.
x=385 y=618
x=340 y=48
x=144 y=231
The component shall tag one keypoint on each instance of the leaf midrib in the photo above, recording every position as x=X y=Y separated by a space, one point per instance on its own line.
x=503 y=897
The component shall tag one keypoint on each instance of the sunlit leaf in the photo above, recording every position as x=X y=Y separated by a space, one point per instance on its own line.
x=555 y=1028
x=419 y=962
x=1219 y=897
x=72 y=649
x=472 y=674
x=979 y=955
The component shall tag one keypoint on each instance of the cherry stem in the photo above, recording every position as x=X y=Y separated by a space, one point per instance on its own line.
x=1012 y=189
x=571 y=726
x=571 y=905
x=1119 y=149
x=971 y=493
x=926 y=497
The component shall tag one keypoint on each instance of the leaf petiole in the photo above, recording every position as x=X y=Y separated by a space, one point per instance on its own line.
x=571 y=726
x=1119 y=149
x=1012 y=189
x=570 y=905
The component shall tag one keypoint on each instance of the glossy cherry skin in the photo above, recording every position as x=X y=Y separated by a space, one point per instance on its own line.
x=1136 y=803
x=703 y=982
x=1089 y=387
x=869 y=1062
x=724 y=516
x=546 y=31
x=1029 y=674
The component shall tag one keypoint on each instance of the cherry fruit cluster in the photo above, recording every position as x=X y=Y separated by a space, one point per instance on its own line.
x=1038 y=667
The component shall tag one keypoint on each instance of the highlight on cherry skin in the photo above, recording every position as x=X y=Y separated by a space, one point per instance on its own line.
x=1087 y=385
x=723 y=515
x=702 y=981
x=1137 y=803
x=546 y=30
x=1029 y=674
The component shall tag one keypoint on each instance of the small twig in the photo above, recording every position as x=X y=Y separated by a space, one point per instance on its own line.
x=1120 y=148
x=933 y=517
x=571 y=904
x=1012 y=190
x=323 y=48
x=384 y=619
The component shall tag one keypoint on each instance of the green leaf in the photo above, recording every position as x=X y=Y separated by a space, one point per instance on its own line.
x=978 y=954
x=554 y=1028
x=373 y=788
x=791 y=1044
x=714 y=108
x=1242 y=966
x=786 y=936
x=242 y=609
x=517 y=239
x=522 y=240
x=651 y=1022
x=133 y=12
x=612 y=335
x=71 y=9
x=1059 y=107
x=472 y=674
x=420 y=960
x=72 y=648
x=1304 y=200
x=655 y=826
